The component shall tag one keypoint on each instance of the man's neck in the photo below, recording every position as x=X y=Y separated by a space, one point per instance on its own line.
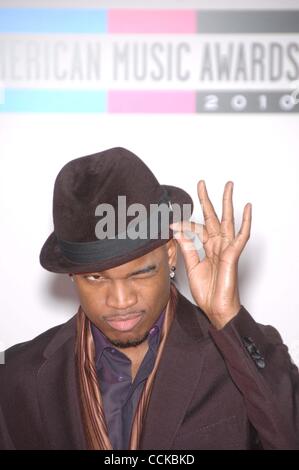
x=136 y=355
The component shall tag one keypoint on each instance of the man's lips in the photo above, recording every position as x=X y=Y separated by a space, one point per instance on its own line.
x=124 y=322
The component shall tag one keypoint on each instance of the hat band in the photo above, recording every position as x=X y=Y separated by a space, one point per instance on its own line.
x=104 y=249
x=99 y=250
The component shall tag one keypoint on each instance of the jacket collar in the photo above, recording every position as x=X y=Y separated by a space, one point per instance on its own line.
x=58 y=391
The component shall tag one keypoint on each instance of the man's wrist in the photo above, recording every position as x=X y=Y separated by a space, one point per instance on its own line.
x=219 y=322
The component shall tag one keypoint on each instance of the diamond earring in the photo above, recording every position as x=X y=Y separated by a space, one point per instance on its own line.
x=172 y=272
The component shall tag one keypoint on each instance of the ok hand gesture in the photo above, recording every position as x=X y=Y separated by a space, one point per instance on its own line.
x=214 y=280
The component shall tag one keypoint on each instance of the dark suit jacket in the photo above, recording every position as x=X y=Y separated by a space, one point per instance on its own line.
x=235 y=388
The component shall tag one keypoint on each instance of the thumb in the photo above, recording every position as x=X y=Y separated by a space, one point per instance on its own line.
x=186 y=233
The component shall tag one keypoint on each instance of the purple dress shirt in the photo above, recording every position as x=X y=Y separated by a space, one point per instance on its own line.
x=120 y=395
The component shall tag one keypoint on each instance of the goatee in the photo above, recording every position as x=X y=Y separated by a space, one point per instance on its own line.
x=128 y=344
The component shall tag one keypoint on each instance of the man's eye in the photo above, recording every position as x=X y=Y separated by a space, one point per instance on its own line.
x=94 y=277
x=144 y=275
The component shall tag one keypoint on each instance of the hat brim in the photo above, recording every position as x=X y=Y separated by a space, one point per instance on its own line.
x=52 y=259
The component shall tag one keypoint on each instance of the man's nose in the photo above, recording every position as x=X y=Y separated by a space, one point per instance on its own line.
x=121 y=296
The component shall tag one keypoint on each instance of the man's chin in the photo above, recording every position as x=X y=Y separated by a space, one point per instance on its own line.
x=130 y=343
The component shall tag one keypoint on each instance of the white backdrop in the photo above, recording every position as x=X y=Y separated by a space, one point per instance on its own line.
x=260 y=153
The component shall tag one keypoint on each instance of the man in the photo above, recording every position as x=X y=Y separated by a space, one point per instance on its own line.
x=139 y=366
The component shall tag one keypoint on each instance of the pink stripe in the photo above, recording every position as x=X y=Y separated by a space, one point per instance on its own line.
x=151 y=101
x=151 y=21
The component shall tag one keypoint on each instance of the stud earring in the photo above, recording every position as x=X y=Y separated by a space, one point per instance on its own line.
x=172 y=272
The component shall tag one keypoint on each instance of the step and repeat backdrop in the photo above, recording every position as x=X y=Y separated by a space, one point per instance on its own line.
x=198 y=89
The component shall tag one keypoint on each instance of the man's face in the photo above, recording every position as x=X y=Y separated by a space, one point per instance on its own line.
x=124 y=302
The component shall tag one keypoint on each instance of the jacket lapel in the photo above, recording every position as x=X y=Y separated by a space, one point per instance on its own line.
x=58 y=392
x=177 y=377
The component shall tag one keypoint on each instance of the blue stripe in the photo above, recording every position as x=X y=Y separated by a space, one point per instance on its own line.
x=52 y=20
x=53 y=101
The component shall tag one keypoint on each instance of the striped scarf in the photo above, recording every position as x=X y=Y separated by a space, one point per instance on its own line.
x=92 y=409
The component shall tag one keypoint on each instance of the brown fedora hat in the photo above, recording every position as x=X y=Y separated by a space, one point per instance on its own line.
x=84 y=184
